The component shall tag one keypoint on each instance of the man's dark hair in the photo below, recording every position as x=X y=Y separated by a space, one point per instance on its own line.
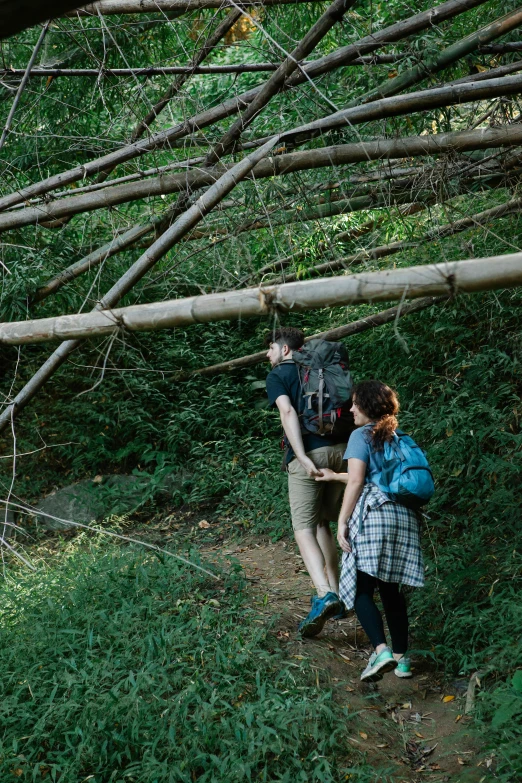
x=286 y=335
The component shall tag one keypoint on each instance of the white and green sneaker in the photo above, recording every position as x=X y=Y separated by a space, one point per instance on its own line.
x=403 y=668
x=379 y=665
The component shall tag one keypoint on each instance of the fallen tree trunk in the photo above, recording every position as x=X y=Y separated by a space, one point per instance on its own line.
x=337 y=59
x=112 y=7
x=280 y=165
x=17 y=15
x=356 y=327
x=446 y=279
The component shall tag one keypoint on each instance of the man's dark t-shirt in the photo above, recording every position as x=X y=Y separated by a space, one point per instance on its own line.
x=284 y=379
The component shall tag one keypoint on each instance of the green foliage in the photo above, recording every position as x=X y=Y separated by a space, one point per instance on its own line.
x=119 y=667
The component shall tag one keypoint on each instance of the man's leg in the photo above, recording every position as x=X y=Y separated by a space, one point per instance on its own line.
x=331 y=457
x=314 y=560
x=328 y=546
x=306 y=498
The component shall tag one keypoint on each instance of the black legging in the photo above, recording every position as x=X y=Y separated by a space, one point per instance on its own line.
x=395 y=610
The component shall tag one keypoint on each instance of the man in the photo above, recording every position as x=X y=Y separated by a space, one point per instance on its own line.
x=313 y=504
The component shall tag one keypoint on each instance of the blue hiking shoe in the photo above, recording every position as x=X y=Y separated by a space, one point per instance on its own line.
x=322 y=610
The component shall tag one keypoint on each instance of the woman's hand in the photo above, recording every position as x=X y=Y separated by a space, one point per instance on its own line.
x=326 y=475
x=342 y=537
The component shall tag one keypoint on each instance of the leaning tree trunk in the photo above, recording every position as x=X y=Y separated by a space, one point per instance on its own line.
x=445 y=279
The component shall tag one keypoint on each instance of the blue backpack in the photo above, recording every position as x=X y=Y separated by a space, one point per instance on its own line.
x=406 y=476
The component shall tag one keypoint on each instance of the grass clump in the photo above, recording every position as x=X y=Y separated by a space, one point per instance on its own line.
x=119 y=667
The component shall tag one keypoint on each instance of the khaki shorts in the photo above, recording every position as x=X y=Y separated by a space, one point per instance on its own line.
x=314 y=502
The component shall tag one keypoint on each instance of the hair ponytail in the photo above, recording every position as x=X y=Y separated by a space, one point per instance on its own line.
x=381 y=405
x=383 y=430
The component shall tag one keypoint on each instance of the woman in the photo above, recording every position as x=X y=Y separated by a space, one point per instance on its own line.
x=379 y=538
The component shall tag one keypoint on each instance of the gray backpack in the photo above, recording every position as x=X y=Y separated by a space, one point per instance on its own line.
x=326 y=385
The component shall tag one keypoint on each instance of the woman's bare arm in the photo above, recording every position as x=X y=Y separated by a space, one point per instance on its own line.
x=354 y=487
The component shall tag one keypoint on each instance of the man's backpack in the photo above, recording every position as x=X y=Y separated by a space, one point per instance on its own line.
x=406 y=476
x=326 y=385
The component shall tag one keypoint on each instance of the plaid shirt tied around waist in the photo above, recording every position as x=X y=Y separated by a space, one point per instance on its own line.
x=385 y=541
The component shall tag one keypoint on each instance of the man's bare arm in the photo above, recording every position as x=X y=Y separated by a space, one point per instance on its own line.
x=290 y=422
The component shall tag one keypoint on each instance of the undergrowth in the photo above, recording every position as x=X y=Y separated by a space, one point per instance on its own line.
x=120 y=667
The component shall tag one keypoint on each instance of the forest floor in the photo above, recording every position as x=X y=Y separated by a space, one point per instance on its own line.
x=410 y=729
x=415 y=728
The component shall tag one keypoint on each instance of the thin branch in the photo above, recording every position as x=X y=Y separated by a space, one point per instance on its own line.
x=102 y=531
x=168 y=70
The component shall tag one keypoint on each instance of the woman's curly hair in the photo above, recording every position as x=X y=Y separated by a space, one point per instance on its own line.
x=380 y=404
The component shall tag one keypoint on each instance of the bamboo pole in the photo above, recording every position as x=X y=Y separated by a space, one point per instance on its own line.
x=398 y=105
x=377 y=199
x=445 y=279
x=170 y=70
x=280 y=165
x=337 y=59
x=23 y=83
x=501 y=48
x=340 y=332
x=492 y=73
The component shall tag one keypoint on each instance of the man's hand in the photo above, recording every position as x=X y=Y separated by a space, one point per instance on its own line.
x=327 y=475
x=342 y=537
x=310 y=468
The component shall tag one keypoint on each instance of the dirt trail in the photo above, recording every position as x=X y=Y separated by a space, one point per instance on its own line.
x=411 y=727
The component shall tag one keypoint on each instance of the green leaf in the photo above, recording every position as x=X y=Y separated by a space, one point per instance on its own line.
x=516 y=682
